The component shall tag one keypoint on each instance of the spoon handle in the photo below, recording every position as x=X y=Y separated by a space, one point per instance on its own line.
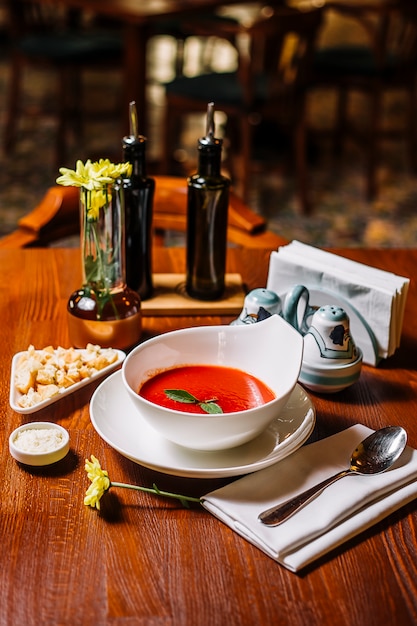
x=278 y=514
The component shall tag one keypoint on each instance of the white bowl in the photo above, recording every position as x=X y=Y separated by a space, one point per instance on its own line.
x=332 y=377
x=39 y=452
x=270 y=350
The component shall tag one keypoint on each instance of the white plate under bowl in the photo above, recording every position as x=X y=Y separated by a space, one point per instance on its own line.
x=15 y=394
x=118 y=422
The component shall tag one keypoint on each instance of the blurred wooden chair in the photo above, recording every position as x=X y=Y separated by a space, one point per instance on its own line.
x=57 y=218
x=202 y=26
x=386 y=61
x=271 y=83
x=47 y=35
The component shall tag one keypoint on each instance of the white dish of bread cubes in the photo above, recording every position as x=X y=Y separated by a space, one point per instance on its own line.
x=41 y=377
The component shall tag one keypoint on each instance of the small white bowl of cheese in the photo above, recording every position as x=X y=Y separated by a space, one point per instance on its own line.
x=39 y=443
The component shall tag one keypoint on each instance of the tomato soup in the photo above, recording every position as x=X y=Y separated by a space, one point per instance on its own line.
x=232 y=389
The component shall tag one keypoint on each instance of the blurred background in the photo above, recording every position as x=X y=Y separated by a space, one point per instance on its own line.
x=342 y=215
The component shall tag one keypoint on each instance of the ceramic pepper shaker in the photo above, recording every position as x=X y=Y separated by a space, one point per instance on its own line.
x=331 y=360
x=259 y=304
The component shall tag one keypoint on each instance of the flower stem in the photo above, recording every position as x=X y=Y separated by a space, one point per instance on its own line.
x=166 y=494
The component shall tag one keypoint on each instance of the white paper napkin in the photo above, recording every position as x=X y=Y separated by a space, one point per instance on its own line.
x=340 y=512
x=377 y=297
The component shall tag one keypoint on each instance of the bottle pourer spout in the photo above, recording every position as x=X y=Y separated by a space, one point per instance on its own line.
x=210 y=122
x=133 y=119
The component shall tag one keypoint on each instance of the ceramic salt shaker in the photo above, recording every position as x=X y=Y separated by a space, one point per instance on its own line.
x=331 y=359
x=258 y=305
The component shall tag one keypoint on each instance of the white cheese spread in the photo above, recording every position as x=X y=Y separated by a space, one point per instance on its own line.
x=38 y=440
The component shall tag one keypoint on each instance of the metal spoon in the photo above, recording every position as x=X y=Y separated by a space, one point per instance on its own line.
x=373 y=455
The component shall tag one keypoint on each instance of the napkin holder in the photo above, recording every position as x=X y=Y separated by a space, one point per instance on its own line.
x=373 y=299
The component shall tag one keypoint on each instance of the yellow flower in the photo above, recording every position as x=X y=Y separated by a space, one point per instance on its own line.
x=100 y=482
x=104 y=169
x=96 y=199
x=93 y=175
x=93 y=469
x=80 y=177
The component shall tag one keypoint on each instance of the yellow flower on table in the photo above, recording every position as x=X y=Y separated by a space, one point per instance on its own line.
x=100 y=483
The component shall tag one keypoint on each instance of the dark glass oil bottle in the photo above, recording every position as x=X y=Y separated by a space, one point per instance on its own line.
x=139 y=193
x=207 y=209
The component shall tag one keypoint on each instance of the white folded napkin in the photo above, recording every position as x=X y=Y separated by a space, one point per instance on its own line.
x=374 y=299
x=340 y=512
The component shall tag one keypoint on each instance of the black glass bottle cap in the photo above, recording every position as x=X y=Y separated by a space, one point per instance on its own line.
x=131 y=140
x=210 y=144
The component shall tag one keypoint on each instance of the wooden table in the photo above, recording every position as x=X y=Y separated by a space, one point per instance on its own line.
x=137 y=17
x=147 y=561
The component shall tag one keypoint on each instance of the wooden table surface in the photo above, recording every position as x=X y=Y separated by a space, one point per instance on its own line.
x=148 y=561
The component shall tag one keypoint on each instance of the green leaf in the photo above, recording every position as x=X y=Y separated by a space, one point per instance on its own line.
x=180 y=395
x=211 y=407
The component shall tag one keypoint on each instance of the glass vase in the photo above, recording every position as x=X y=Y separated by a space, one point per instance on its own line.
x=104 y=310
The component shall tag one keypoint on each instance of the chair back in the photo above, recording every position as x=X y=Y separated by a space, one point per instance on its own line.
x=26 y=17
x=390 y=31
x=399 y=37
x=278 y=52
x=56 y=218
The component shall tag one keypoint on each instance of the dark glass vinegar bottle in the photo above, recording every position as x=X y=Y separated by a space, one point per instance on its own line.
x=207 y=209
x=139 y=193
